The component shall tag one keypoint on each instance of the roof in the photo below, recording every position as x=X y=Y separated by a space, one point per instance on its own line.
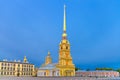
x=95 y=71
x=16 y=62
x=49 y=66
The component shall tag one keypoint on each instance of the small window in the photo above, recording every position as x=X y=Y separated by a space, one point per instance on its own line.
x=2 y=68
x=4 y=73
x=18 y=65
x=10 y=73
x=7 y=73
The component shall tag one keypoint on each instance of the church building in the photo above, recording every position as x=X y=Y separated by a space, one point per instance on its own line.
x=48 y=68
x=65 y=66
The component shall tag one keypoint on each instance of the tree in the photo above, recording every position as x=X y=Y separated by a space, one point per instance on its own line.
x=118 y=70
x=88 y=69
x=76 y=69
x=108 y=69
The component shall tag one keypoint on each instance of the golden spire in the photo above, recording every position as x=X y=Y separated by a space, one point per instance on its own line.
x=64 y=24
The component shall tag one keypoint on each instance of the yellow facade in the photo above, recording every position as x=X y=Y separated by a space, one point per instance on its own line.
x=16 y=68
x=65 y=64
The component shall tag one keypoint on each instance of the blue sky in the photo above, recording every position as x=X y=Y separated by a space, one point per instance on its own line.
x=33 y=27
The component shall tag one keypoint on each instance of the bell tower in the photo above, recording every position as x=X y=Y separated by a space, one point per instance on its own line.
x=65 y=64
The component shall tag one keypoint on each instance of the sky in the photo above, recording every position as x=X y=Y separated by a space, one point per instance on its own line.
x=31 y=28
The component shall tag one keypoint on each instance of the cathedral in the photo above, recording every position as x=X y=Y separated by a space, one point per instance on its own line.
x=65 y=66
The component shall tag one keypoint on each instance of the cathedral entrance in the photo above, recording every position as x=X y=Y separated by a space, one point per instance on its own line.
x=68 y=73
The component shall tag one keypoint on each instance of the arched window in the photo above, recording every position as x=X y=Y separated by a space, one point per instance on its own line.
x=61 y=47
x=66 y=47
